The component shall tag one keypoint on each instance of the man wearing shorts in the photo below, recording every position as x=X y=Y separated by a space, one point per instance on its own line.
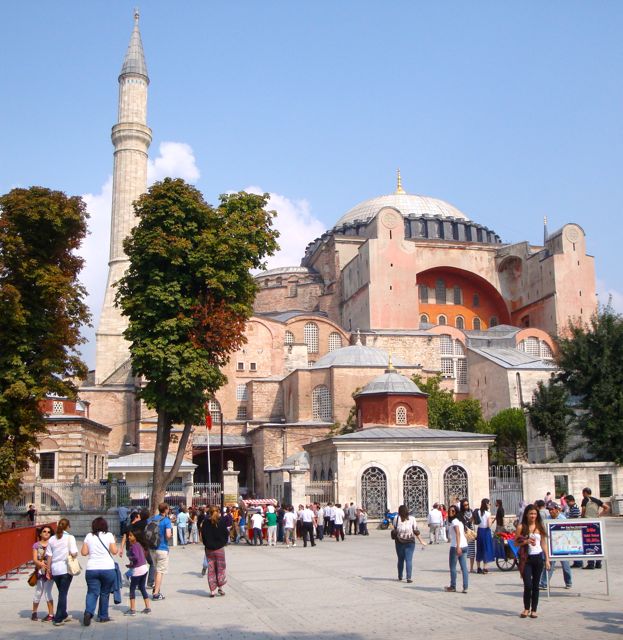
x=160 y=555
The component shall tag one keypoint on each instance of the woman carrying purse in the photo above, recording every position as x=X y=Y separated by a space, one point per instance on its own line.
x=405 y=534
x=60 y=548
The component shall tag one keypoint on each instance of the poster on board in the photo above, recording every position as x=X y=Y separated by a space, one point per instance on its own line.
x=576 y=539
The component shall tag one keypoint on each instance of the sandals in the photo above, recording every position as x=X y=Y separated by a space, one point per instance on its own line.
x=533 y=614
x=221 y=592
x=212 y=595
x=524 y=614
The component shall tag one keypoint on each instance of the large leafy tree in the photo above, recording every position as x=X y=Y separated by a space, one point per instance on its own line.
x=591 y=360
x=551 y=415
x=446 y=413
x=188 y=293
x=511 y=437
x=42 y=310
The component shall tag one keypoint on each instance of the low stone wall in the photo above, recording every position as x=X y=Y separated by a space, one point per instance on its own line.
x=538 y=479
x=80 y=520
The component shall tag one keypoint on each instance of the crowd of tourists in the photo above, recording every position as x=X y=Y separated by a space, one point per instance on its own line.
x=146 y=540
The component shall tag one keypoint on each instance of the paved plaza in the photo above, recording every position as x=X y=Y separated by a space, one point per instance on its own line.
x=340 y=591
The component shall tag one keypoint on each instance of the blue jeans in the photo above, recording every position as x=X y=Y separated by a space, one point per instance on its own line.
x=463 y=562
x=405 y=555
x=100 y=584
x=566 y=573
x=257 y=536
x=62 y=584
x=181 y=535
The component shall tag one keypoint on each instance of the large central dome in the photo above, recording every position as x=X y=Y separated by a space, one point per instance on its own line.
x=406 y=203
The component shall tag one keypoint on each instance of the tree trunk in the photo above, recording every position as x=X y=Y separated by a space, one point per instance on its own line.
x=163 y=435
x=179 y=456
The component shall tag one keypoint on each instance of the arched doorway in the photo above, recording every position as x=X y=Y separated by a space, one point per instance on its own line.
x=415 y=491
x=455 y=483
x=374 y=492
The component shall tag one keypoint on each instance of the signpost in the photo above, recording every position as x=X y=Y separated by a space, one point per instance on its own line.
x=581 y=539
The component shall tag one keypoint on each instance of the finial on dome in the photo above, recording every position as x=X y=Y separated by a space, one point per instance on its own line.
x=390 y=366
x=358 y=340
x=545 y=232
x=137 y=15
x=399 y=189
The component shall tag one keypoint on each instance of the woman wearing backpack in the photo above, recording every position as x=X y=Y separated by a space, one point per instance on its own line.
x=100 y=573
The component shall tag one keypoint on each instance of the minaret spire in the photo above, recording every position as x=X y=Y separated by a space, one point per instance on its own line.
x=131 y=138
x=545 y=232
x=399 y=189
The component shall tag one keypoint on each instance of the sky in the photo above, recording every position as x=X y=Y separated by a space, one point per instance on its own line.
x=511 y=111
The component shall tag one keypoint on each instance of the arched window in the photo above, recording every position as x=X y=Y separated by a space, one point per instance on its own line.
x=442 y=319
x=440 y=292
x=278 y=281
x=374 y=491
x=453 y=360
x=531 y=346
x=415 y=491
x=493 y=322
x=321 y=475
x=335 y=341
x=215 y=411
x=424 y=293
x=455 y=484
x=401 y=415
x=546 y=352
x=476 y=324
x=310 y=336
x=424 y=319
x=315 y=476
x=321 y=403
x=330 y=474
x=288 y=338
x=476 y=300
x=458 y=295
x=460 y=322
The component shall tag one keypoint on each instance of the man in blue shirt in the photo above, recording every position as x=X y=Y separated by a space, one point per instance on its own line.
x=182 y=525
x=160 y=555
x=556 y=514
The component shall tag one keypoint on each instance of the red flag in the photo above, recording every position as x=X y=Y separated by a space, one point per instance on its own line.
x=208 y=420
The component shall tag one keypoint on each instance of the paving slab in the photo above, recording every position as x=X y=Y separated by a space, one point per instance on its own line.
x=345 y=591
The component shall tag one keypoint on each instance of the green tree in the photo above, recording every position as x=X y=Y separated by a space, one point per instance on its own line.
x=42 y=310
x=551 y=415
x=591 y=359
x=446 y=413
x=511 y=436
x=188 y=293
x=350 y=426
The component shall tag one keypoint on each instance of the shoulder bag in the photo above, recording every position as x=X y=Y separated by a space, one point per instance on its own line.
x=73 y=565
x=470 y=534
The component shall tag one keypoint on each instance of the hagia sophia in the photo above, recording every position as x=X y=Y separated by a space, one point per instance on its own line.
x=401 y=284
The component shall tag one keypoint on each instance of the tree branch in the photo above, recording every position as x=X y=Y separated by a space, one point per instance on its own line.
x=179 y=456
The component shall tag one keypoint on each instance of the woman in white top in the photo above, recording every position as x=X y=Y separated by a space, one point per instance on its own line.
x=406 y=534
x=100 y=573
x=458 y=549
x=531 y=534
x=59 y=548
x=484 y=541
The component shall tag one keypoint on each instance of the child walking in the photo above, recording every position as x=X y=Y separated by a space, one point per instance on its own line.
x=140 y=568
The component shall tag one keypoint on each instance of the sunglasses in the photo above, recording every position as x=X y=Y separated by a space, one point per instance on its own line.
x=47 y=531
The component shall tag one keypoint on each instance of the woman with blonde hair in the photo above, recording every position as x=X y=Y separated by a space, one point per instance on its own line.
x=215 y=535
x=60 y=547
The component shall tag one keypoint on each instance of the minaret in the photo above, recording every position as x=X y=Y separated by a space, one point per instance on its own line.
x=131 y=138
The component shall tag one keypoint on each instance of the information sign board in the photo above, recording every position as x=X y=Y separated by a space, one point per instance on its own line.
x=576 y=539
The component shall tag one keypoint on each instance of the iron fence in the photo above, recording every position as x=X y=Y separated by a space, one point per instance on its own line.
x=505 y=484
x=320 y=491
x=205 y=494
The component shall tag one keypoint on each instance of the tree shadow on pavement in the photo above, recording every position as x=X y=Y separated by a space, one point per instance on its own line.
x=609 y=621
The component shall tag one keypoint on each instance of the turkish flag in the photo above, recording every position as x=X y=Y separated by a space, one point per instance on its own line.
x=208 y=421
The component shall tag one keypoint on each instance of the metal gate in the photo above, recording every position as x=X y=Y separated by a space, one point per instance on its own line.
x=455 y=484
x=505 y=484
x=374 y=492
x=320 y=491
x=415 y=491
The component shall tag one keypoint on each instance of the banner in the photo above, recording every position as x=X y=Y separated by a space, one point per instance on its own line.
x=576 y=539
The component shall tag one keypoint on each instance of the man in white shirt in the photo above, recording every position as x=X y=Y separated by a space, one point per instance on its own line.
x=319 y=521
x=435 y=520
x=338 y=522
x=257 y=520
x=307 y=525
x=289 y=524
x=331 y=514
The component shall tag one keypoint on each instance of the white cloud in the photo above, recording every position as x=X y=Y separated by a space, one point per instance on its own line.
x=176 y=160
x=297 y=227
x=606 y=293
x=95 y=252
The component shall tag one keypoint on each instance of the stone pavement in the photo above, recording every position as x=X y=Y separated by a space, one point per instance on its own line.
x=341 y=591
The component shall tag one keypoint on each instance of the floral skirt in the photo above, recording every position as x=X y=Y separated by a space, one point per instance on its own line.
x=217 y=569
